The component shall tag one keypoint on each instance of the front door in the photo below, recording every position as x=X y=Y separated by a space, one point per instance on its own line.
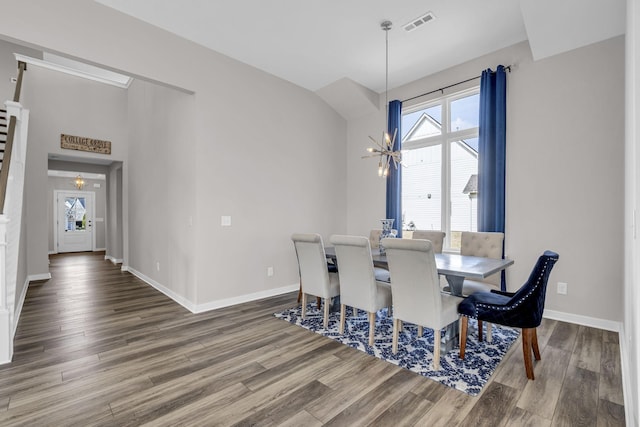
x=74 y=221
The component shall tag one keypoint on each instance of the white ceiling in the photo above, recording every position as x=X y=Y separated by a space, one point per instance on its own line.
x=316 y=43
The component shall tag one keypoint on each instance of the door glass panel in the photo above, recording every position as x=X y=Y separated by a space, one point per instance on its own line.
x=75 y=214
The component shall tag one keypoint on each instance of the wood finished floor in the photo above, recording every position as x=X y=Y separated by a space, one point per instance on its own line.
x=97 y=346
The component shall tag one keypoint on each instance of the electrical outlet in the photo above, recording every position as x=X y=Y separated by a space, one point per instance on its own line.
x=269 y=271
x=562 y=288
x=158 y=266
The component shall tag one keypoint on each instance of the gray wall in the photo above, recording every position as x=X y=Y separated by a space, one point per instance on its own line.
x=60 y=103
x=263 y=151
x=162 y=182
x=565 y=142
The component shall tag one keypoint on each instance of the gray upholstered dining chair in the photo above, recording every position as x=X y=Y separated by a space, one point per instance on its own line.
x=483 y=244
x=315 y=278
x=434 y=236
x=374 y=237
x=374 y=241
x=359 y=287
x=415 y=290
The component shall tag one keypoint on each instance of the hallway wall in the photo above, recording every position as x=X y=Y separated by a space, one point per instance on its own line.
x=61 y=103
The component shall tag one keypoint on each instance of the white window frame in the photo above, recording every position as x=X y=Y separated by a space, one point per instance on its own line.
x=445 y=139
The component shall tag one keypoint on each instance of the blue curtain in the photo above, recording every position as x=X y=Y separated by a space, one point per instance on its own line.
x=492 y=152
x=394 y=179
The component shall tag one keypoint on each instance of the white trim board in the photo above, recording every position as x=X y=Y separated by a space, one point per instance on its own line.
x=18 y=310
x=593 y=322
x=113 y=260
x=629 y=404
x=212 y=305
x=168 y=292
x=38 y=277
x=227 y=302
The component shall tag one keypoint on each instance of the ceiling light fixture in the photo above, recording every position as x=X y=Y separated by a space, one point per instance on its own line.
x=79 y=182
x=385 y=149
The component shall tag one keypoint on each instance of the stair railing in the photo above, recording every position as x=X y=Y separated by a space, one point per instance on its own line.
x=11 y=130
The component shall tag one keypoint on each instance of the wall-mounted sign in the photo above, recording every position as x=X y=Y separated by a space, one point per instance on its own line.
x=80 y=143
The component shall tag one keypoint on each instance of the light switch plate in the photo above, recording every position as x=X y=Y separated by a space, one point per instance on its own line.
x=225 y=221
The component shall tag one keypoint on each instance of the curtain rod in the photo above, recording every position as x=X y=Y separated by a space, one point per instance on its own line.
x=507 y=68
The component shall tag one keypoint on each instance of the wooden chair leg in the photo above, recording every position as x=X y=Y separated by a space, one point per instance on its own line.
x=526 y=351
x=534 y=344
x=304 y=305
x=355 y=312
x=327 y=303
x=489 y=332
x=436 y=349
x=464 y=324
x=420 y=331
x=343 y=312
x=318 y=302
x=396 y=330
x=480 y=330
x=372 y=327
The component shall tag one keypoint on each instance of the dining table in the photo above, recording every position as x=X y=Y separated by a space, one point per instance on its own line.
x=455 y=268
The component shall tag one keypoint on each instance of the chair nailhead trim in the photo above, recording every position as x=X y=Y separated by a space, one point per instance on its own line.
x=521 y=300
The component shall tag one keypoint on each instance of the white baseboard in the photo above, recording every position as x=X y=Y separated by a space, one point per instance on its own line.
x=37 y=277
x=99 y=249
x=168 y=292
x=20 y=304
x=113 y=260
x=608 y=325
x=200 y=308
x=629 y=404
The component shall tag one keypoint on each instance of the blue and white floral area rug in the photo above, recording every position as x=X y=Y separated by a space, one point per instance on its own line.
x=468 y=375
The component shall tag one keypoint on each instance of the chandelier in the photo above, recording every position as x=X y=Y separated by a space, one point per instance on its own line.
x=384 y=150
x=79 y=182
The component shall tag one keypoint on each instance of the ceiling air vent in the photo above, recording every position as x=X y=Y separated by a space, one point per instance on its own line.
x=417 y=22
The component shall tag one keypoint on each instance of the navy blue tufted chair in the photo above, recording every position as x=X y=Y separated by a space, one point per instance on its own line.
x=522 y=309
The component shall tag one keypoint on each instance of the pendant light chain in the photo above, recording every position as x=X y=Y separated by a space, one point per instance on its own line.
x=386 y=26
x=384 y=149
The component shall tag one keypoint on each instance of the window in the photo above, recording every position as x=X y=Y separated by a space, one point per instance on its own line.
x=75 y=214
x=440 y=156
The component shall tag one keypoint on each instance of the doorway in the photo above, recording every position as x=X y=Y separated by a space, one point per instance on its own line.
x=73 y=221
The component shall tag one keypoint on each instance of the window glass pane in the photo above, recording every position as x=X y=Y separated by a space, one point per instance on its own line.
x=422 y=188
x=465 y=113
x=75 y=214
x=464 y=202
x=420 y=124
